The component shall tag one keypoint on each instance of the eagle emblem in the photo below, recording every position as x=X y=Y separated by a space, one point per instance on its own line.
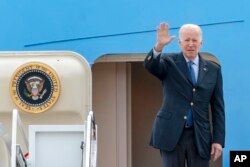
x=34 y=88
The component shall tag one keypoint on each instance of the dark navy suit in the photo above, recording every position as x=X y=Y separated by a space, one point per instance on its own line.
x=179 y=94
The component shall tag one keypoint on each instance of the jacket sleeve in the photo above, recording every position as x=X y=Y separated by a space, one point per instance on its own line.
x=156 y=65
x=218 y=113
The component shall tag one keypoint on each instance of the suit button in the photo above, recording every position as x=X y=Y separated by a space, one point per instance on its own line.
x=194 y=90
x=185 y=117
x=191 y=103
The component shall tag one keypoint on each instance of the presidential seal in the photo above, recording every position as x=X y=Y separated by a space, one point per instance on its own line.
x=34 y=87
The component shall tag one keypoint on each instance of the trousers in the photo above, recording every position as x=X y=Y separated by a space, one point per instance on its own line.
x=185 y=153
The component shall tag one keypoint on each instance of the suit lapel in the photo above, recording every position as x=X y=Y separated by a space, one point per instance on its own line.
x=202 y=69
x=182 y=65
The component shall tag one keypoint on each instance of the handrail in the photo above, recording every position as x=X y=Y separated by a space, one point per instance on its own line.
x=91 y=135
x=16 y=122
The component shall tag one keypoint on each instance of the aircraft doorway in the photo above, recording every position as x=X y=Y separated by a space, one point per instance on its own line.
x=125 y=101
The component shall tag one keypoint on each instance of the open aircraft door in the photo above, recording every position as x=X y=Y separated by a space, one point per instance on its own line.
x=46 y=117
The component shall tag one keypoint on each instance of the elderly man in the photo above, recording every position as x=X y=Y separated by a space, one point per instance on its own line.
x=181 y=129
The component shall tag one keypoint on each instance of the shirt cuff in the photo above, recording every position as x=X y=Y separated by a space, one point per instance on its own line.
x=155 y=53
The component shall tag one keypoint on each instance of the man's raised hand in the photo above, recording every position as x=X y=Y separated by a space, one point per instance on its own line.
x=163 y=37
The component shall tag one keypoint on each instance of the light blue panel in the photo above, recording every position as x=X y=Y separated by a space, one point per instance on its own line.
x=38 y=22
x=97 y=27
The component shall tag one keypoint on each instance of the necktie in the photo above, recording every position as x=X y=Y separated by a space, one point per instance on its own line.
x=191 y=71
x=190 y=114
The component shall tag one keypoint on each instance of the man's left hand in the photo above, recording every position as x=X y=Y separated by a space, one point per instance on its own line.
x=216 y=151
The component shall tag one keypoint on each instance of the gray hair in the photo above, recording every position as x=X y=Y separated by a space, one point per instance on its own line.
x=193 y=26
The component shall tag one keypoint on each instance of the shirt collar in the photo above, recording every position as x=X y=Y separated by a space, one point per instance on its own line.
x=195 y=61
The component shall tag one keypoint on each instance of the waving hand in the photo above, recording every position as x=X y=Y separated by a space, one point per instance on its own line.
x=163 y=37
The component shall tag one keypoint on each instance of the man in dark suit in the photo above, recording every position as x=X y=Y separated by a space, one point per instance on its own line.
x=181 y=130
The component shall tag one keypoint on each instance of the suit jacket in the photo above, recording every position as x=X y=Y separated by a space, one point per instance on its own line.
x=179 y=94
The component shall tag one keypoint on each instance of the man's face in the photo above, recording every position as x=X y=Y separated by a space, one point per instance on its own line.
x=190 y=41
